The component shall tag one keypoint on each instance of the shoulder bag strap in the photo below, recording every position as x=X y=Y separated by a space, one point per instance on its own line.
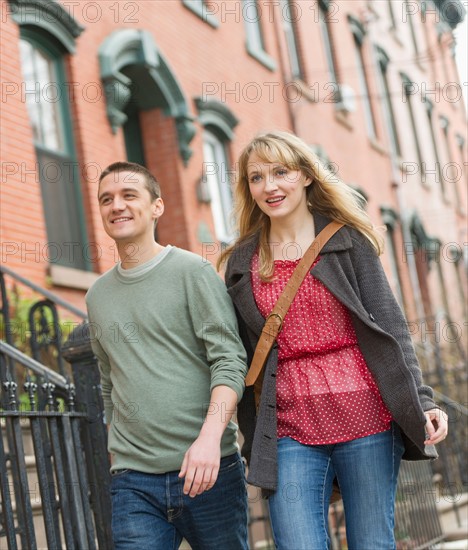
x=274 y=321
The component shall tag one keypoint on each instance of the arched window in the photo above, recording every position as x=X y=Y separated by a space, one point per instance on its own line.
x=358 y=37
x=46 y=38
x=383 y=63
x=391 y=220
x=290 y=18
x=218 y=123
x=252 y=15
x=408 y=89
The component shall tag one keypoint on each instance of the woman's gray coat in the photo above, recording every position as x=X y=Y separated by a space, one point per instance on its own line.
x=351 y=270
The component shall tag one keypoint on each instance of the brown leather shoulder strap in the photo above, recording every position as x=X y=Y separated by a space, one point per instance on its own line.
x=274 y=321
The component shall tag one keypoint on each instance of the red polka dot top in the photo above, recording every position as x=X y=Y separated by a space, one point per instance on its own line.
x=325 y=391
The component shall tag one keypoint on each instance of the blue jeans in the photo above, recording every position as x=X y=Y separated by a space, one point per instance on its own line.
x=367 y=471
x=151 y=512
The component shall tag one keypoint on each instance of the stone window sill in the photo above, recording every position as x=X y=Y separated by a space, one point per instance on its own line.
x=71 y=278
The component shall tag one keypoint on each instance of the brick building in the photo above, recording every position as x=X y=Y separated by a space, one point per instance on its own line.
x=181 y=85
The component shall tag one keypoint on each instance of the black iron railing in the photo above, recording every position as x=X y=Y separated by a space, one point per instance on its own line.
x=56 y=493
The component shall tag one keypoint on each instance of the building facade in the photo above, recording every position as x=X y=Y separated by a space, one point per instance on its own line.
x=181 y=85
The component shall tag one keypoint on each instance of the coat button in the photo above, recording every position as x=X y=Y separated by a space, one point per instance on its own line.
x=371 y=317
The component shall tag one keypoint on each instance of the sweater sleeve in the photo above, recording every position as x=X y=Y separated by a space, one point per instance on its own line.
x=379 y=301
x=214 y=322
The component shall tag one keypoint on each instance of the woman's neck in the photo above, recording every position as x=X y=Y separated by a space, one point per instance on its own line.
x=297 y=233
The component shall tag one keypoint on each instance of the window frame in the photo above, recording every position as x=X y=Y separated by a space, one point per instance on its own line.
x=328 y=44
x=390 y=219
x=255 y=43
x=199 y=8
x=406 y=82
x=383 y=62
x=221 y=199
x=293 y=43
x=49 y=46
x=429 y=110
x=359 y=34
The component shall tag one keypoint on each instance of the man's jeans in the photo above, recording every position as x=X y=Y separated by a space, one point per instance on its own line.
x=367 y=471
x=151 y=512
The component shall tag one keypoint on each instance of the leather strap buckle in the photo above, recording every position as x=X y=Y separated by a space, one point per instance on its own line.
x=279 y=317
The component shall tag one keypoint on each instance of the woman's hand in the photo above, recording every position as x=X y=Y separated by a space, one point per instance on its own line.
x=436 y=426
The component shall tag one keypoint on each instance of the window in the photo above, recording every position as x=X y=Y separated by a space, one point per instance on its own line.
x=251 y=13
x=450 y=168
x=200 y=8
x=292 y=39
x=461 y=150
x=358 y=36
x=443 y=46
x=409 y=15
x=328 y=42
x=391 y=13
x=408 y=91
x=434 y=247
x=42 y=65
x=383 y=63
x=390 y=218
x=216 y=175
x=438 y=168
x=456 y=257
x=219 y=123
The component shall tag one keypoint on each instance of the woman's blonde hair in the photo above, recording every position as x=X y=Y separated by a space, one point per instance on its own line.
x=327 y=194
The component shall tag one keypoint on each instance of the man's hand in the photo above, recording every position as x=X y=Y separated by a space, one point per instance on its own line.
x=200 y=466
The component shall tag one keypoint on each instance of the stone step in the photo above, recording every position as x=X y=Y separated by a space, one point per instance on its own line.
x=457 y=534
x=454 y=545
x=445 y=504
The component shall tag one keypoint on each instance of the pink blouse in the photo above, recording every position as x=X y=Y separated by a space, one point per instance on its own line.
x=325 y=391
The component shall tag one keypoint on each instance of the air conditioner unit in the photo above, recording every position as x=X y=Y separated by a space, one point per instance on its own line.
x=345 y=98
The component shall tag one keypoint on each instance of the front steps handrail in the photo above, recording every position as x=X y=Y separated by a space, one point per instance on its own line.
x=30 y=363
x=46 y=293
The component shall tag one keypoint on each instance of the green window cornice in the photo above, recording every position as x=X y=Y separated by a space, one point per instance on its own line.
x=217 y=114
x=49 y=16
x=132 y=66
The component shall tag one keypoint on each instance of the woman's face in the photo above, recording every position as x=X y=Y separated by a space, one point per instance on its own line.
x=278 y=191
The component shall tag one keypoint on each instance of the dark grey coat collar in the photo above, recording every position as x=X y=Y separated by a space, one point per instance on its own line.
x=239 y=262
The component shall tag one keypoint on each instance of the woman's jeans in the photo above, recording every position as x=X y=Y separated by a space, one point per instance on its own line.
x=150 y=511
x=367 y=471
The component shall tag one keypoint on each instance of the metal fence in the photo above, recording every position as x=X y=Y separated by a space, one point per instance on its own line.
x=54 y=471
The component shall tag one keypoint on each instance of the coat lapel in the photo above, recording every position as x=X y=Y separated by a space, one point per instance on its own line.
x=239 y=287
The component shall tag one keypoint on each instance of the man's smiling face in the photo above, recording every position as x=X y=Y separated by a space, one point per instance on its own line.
x=127 y=211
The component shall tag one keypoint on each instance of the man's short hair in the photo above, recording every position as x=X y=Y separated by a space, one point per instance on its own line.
x=151 y=183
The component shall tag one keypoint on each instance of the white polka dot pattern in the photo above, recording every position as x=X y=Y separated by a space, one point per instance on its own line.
x=325 y=391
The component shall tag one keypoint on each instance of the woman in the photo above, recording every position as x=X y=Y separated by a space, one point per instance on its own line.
x=342 y=378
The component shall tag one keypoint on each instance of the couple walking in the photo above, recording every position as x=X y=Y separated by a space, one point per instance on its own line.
x=342 y=396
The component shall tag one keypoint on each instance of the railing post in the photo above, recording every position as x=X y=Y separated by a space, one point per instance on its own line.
x=77 y=351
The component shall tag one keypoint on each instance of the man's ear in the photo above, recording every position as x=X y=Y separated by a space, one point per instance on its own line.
x=157 y=208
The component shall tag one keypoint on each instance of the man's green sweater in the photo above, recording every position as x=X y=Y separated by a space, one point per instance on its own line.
x=163 y=341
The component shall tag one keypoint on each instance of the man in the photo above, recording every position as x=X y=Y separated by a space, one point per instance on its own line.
x=172 y=370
